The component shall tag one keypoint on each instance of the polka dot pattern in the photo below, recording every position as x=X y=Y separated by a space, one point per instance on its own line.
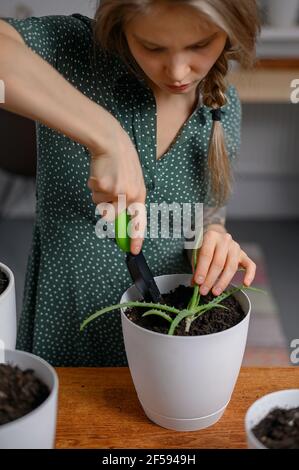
x=71 y=272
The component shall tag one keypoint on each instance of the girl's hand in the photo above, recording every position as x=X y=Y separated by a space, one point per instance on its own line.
x=218 y=260
x=115 y=170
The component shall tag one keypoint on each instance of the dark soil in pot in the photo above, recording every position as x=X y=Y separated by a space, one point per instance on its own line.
x=3 y=281
x=20 y=392
x=279 y=429
x=212 y=321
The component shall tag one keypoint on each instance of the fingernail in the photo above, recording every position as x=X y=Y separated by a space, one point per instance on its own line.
x=204 y=290
x=200 y=279
x=217 y=291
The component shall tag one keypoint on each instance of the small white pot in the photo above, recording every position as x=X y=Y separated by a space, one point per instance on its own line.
x=261 y=407
x=282 y=13
x=36 y=430
x=8 y=316
x=184 y=383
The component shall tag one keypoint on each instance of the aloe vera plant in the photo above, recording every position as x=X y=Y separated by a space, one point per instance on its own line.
x=190 y=314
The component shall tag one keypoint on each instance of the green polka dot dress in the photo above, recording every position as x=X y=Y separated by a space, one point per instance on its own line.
x=72 y=272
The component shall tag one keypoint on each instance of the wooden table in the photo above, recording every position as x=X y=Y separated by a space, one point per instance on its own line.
x=99 y=408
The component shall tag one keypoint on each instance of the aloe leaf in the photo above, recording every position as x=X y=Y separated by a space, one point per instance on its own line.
x=211 y=304
x=183 y=314
x=127 y=304
x=209 y=307
x=158 y=313
x=190 y=320
x=196 y=248
x=256 y=289
x=194 y=299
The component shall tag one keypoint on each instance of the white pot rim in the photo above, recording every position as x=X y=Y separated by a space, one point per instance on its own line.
x=53 y=373
x=257 y=402
x=10 y=275
x=192 y=338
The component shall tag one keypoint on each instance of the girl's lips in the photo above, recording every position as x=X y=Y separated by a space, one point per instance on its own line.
x=178 y=87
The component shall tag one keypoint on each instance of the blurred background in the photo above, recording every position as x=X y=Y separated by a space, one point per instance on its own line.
x=263 y=213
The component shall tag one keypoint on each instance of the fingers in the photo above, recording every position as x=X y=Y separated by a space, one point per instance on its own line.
x=229 y=270
x=235 y=257
x=212 y=258
x=137 y=226
x=250 y=268
x=99 y=198
x=109 y=210
x=218 y=261
x=208 y=251
x=99 y=194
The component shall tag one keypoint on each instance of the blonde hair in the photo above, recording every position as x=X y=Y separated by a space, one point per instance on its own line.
x=238 y=18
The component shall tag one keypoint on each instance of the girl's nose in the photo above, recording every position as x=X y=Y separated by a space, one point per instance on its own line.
x=177 y=72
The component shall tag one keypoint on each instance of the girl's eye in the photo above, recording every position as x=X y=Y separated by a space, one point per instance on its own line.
x=201 y=46
x=159 y=49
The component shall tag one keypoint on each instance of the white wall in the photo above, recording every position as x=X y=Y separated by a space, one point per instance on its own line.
x=267 y=172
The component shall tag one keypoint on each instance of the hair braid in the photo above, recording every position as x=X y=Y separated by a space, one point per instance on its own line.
x=213 y=89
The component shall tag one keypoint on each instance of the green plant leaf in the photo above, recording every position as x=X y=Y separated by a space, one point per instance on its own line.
x=208 y=307
x=195 y=298
x=196 y=249
x=97 y=314
x=193 y=309
x=158 y=313
x=175 y=322
x=256 y=289
x=224 y=295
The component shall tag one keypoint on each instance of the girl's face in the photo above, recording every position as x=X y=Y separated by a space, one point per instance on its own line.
x=174 y=45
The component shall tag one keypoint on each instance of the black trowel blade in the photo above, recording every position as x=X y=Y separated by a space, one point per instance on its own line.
x=143 y=278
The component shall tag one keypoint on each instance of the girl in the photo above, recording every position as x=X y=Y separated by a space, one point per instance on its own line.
x=134 y=102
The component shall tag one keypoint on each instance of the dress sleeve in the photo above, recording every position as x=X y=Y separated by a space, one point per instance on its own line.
x=213 y=215
x=210 y=215
x=49 y=36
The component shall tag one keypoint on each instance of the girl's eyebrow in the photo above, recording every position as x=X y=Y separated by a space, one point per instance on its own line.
x=191 y=45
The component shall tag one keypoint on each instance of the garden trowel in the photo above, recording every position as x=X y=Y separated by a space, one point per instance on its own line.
x=137 y=265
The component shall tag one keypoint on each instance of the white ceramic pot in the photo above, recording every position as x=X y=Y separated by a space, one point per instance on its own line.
x=282 y=13
x=36 y=430
x=184 y=383
x=8 y=316
x=261 y=407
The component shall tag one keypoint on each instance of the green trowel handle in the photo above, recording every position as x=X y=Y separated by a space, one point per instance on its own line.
x=121 y=233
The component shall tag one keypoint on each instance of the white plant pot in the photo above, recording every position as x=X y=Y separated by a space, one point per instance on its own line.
x=8 y=316
x=282 y=13
x=184 y=383
x=36 y=430
x=261 y=407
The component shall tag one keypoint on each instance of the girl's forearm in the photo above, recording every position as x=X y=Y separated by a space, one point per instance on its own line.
x=34 y=89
